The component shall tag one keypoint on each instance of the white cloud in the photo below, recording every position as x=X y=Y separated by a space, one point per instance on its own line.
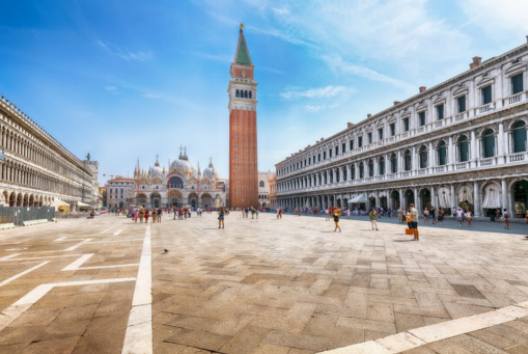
x=337 y=64
x=315 y=93
x=127 y=55
x=495 y=18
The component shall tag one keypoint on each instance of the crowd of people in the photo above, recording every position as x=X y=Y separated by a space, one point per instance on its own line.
x=409 y=216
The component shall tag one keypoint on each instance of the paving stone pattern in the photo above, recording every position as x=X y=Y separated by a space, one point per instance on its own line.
x=260 y=286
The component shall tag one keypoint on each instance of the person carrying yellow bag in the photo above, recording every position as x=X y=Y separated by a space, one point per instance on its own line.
x=412 y=222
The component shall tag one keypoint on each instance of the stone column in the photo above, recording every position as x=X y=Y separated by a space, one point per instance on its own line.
x=453 y=198
x=434 y=201
x=376 y=166
x=500 y=144
x=476 y=198
x=417 y=201
x=450 y=154
x=414 y=165
x=504 y=196
x=431 y=162
x=473 y=147
x=402 y=199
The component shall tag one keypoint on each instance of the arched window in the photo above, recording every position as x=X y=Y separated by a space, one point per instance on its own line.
x=371 y=168
x=337 y=175
x=381 y=165
x=352 y=171
x=423 y=157
x=237 y=93
x=518 y=134
x=361 y=170
x=344 y=173
x=442 y=153
x=245 y=94
x=261 y=184
x=250 y=94
x=175 y=182
x=407 y=160
x=463 y=149
x=394 y=163
x=488 y=143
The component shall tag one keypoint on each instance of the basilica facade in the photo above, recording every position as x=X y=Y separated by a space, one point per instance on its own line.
x=461 y=143
x=179 y=184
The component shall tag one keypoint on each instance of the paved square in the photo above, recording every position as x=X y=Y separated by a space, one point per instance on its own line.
x=259 y=286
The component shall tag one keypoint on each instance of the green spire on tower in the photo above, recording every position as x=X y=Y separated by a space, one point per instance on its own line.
x=242 y=53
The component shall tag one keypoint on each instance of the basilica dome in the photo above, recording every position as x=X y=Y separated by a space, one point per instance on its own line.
x=209 y=172
x=182 y=167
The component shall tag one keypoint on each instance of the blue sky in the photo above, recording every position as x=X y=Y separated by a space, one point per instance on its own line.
x=128 y=79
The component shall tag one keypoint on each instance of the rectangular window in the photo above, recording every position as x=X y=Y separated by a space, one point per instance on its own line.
x=360 y=141
x=318 y=157
x=330 y=153
x=380 y=133
x=405 y=124
x=351 y=145
x=343 y=148
x=517 y=83
x=461 y=103
x=337 y=150
x=369 y=136
x=421 y=118
x=324 y=155
x=439 y=111
x=392 y=129
x=486 y=94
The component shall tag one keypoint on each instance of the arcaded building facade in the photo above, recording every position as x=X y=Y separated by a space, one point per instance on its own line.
x=461 y=143
x=242 y=90
x=35 y=169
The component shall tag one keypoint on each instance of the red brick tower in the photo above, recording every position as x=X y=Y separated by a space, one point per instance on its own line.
x=243 y=173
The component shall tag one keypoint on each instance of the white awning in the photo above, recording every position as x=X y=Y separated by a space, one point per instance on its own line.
x=358 y=198
x=82 y=205
x=58 y=203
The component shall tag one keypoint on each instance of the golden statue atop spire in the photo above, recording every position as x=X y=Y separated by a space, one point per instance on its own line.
x=241 y=26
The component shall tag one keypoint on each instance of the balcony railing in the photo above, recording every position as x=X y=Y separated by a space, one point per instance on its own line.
x=517 y=157
x=460 y=116
x=440 y=169
x=487 y=161
x=517 y=98
x=461 y=165
x=486 y=108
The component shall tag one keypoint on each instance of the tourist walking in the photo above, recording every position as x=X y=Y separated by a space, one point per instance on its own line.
x=336 y=214
x=147 y=214
x=426 y=214
x=460 y=216
x=506 y=217
x=468 y=217
x=221 y=215
x=141 y=214
x=373 y=216
x=279 y=213
x=160 y=211
x=412 y=221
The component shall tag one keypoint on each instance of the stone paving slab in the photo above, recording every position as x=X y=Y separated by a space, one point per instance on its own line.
x=261 y=286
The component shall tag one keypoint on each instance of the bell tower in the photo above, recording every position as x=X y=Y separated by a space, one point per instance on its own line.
x=242 y=90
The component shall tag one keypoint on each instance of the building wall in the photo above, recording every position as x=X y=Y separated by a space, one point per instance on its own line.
x=36 y=169
x=356 y=164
